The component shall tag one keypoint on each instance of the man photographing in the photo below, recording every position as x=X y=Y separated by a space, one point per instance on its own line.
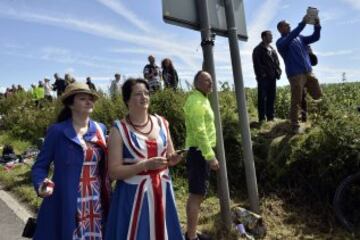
x=293 y=48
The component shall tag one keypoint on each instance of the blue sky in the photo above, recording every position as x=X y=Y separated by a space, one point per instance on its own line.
x=100 y=37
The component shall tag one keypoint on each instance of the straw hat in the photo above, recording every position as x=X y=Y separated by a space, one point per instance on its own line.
x=75 y=88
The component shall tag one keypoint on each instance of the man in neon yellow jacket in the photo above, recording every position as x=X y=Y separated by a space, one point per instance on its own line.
x=200 y=139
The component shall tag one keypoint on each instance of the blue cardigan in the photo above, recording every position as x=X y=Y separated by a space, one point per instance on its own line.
x=293 y=49
x=56 y=217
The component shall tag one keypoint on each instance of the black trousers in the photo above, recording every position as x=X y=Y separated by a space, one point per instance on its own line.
x=266 y=99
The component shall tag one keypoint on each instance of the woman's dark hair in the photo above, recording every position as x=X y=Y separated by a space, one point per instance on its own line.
x=128 y=86
x=170 y=67
x=65 y=113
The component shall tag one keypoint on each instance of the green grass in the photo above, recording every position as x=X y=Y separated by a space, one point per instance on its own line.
x=285 y=218
x=18 y=181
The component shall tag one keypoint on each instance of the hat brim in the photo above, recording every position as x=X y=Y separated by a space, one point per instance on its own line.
x=67 y=95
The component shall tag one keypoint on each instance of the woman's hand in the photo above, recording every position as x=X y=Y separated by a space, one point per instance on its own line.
x=174 y=158
x=155 y=163
x=46 y=188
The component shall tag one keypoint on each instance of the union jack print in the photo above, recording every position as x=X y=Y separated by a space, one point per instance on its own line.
x=89 y=215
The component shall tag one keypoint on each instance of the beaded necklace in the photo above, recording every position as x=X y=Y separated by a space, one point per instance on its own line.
x=138 y=127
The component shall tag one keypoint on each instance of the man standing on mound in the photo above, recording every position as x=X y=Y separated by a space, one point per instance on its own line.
x=293 y=49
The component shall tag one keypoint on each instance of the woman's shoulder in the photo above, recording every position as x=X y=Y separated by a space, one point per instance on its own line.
x=55 y=129
x=102 y=125
x=117 y=123
x=155 y=115
x=160 y=119
x=58 y=126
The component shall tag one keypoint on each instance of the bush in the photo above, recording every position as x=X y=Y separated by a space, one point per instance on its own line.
x=315 y=161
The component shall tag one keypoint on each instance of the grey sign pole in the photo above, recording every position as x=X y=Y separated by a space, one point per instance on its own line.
x=250 y=172
x=207 y=43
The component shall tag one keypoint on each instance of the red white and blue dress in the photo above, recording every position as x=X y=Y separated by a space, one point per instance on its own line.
x=143 y=207
x=89 y=209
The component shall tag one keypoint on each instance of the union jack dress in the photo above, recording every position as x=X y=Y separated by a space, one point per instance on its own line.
x=89 y=210
x=143 y=206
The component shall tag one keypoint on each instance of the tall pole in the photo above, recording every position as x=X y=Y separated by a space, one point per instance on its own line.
x=207 y=43
x=250 y=172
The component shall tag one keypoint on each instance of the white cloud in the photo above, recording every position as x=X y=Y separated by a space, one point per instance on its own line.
x=353 y=3
x=285 y=6
x=350 y=21
x=184 y=53
x=13 y=46
x=63 y=56
x=335 y=53
x=141 y=51
x=327 y=16
x=131 y=17
x=334 y=74
x=262 y=20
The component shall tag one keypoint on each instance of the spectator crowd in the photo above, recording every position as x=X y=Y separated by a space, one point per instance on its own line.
x=157 y=78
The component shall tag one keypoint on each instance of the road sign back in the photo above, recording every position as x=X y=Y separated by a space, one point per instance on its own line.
x=184 y=13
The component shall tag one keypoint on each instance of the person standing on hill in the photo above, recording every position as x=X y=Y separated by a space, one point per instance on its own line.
x=90 y=84
x=115 y=86
x=293 y=48
x=200 y=139
x=47 y=89
x=267 y=71
x=169 y=74
x=59 y=85
x=152 y=74
x=39 y=94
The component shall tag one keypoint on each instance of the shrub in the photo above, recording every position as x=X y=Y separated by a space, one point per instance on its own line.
x=315 y=161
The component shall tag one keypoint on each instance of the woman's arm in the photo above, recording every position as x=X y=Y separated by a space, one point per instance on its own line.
x=117 y=169
x=172 y=157
x=40 y=169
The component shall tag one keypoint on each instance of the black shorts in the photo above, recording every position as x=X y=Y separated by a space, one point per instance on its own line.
x=198 y=171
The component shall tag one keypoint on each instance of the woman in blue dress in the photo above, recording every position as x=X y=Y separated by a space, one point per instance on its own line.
x=140 y=151
x=76 y=198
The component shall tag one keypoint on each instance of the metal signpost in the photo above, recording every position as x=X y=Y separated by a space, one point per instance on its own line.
x=224 y=18
x=207 y=43
x=250 y=172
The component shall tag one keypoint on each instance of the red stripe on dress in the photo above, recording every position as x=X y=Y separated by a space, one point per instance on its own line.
x=135 y=220
x=129 y=141
x=157 y=190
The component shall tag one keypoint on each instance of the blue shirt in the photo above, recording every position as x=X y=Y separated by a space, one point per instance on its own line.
x=293 y=49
